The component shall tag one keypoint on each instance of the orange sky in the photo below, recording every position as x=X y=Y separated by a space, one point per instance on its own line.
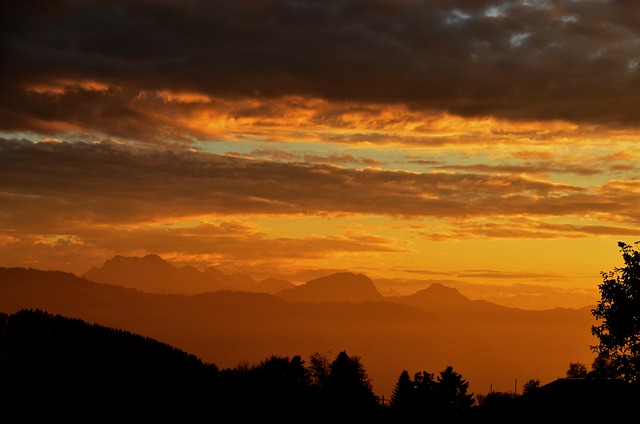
x=459 y=141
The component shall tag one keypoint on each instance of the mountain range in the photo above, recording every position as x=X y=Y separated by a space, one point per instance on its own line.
x=153 y=274
x=494 y=347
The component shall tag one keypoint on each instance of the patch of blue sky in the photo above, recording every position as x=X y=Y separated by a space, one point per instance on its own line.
x=501 y=10
x=22 y=135
x=457 y=16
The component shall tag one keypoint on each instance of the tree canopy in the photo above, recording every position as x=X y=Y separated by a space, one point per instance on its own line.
x=618 y=313
x=444 y=396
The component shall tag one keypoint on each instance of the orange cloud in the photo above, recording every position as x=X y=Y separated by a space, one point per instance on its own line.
x=207 y=243
x=61 y=87
x=181 y=97
x=454 y=121
x=201 y=184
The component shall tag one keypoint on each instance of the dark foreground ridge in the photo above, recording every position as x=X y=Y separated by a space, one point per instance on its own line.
x=567 y=400
x=54 y=367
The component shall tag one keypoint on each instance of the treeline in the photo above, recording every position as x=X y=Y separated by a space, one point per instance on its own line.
x=340 y=387
x=58 y=367
x=52 y=365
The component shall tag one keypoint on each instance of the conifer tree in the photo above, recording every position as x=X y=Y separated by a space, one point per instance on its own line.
x=453 y=391
x=403 y=395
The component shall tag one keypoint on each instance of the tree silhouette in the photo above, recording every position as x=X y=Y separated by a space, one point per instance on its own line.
x=618 y=310
x=577 y=370
x=403 y=397
x=278 y=386
x=453 y=391
x=283 y=373
x=428 y=393
x=348 y=387
x=445 y=397
x=318 y=368
x=495 y=399
x=530 y=386
x=601 y=368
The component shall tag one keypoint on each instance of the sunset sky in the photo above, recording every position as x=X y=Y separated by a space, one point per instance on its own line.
x=465 y=141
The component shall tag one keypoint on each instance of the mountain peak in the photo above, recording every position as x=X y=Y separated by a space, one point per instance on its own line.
x=441 y=289
x=152 y=257
x=152 y=274
x=337 y=287
x=149 y=260
x=342 y=280
x=442 y=293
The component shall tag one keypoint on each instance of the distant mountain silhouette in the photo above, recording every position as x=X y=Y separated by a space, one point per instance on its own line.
x=448 y=303
x=226 y=327
x=152 y=274
x=338 y=287
x=436 y=296
x=244 y=282
x=441 y=299
x=274 y=285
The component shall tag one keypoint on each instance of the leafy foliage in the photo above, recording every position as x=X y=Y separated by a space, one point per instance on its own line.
x=618 y=311
x=531 y=385
x=577 y=370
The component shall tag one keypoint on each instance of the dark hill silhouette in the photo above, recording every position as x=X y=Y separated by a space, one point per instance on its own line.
x=152 y=274
x=54 y=367
x=227 y=327
x=338 y=287
x=568 y=400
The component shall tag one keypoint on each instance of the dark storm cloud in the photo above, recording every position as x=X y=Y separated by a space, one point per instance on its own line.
x=576 y=60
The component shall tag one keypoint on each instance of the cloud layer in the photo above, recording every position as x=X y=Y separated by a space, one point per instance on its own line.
x=111 y=183
x=76 y=63
x=316 y=133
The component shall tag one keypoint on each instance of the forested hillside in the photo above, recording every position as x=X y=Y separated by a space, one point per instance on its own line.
x=57 y=367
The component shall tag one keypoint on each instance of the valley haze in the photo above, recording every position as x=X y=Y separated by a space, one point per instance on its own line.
x=154 y=274
x=230 y=319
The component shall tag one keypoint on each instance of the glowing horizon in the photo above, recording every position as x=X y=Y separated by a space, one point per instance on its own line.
x=473 y=143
